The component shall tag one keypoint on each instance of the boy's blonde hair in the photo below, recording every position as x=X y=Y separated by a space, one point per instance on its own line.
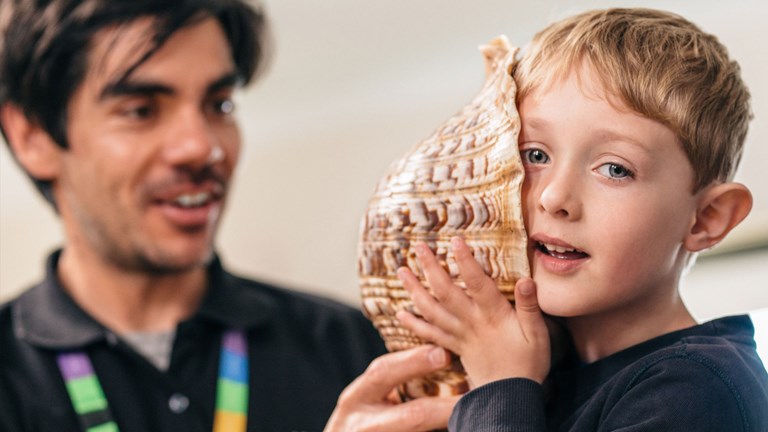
x=662 y=67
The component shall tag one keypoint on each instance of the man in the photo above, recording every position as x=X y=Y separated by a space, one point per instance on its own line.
x=121 y=112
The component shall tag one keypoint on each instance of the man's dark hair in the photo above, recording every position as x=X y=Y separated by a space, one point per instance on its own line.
x=44 y=48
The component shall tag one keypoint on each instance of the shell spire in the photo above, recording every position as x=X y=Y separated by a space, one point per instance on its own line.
x=464 y=180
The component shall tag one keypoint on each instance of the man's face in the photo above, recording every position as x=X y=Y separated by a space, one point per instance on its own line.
x=144 y=182
x=608 y=202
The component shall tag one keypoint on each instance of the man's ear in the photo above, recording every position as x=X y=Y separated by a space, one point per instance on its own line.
x=721 y=207
x=35 y=150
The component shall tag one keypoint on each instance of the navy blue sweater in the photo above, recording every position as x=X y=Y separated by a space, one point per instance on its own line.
x=703 y=378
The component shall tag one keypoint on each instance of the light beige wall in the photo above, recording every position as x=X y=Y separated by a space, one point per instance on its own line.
x=352 y=86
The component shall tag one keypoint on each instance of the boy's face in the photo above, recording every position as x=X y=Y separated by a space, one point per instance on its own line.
x=608 y=202
x=144 y=181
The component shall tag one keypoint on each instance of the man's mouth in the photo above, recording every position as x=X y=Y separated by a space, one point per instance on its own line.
x=189 y=205
x=192 y=200
x=188 y=195
x=560 y=252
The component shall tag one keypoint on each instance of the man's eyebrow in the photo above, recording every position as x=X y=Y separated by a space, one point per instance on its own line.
x=132 y=87
x=227 y=81
x=127 y=87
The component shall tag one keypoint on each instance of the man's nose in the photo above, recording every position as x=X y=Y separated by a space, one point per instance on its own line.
x=559 y=195
x=192 y=142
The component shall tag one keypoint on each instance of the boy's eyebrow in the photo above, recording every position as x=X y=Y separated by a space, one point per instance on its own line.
x=614 y=135
x=605 y=133
x=535 y=123
x=129 y=87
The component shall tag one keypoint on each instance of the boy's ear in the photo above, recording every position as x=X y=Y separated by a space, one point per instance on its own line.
x=721 y=207
x=35 y=150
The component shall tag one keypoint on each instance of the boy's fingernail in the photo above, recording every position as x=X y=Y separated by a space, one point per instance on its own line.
x=526 y=288
x=401 y=273
x=420 y=249
x=437 y=356
x=456 y=242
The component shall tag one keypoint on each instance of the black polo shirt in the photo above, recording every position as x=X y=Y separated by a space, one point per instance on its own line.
x=303 y=351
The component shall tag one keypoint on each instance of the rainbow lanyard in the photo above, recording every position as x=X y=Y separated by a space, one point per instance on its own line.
x=91 y=404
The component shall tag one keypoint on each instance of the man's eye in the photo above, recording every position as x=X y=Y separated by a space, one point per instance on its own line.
x=534 y=156
x=139 y=112
x=223 y=107
x=615 y=171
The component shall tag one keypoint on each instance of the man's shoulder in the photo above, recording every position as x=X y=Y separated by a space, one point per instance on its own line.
x=291 y=298
x=305 y=312
x=12 y=346
x=7 y=307
x=314 y=317
x=5 y=318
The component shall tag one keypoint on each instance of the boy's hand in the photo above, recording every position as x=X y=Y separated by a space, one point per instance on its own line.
x=494 y=339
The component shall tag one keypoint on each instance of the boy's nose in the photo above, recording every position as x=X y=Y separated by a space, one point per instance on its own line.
x=193 y=143
x=558 y=197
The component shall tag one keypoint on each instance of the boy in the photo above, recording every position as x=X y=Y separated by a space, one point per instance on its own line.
x=633 y=123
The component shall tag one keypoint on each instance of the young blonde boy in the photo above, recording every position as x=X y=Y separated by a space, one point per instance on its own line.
x=633 y=122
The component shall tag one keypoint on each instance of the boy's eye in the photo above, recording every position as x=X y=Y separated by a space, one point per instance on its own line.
x=614 y=171
x=534 y=156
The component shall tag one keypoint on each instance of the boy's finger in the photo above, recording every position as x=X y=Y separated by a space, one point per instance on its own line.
x=439 y=281
x=528 y=311
x=426 y=331
x=479 y=285
x=432 y=310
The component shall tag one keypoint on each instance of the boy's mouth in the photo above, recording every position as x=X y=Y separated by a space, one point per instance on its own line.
x=560 y=252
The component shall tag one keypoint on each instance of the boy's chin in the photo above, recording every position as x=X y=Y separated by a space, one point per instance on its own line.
x=555 y=307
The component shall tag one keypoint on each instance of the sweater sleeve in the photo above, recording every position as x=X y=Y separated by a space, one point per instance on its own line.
x=509 y=405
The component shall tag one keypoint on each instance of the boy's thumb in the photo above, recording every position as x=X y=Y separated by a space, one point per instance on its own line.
x=528 y=312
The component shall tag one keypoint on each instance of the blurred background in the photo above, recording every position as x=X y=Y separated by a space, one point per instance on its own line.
x=351 y=86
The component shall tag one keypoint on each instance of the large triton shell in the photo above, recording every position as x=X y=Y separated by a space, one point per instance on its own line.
x=463 y=180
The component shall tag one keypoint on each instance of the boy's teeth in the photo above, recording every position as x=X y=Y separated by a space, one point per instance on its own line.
x=191 y=200
x=558 y=249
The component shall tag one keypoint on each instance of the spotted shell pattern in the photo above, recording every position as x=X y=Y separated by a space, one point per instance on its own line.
x=462 y=180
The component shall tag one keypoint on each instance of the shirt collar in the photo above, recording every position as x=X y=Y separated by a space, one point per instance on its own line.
x=48 y=317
